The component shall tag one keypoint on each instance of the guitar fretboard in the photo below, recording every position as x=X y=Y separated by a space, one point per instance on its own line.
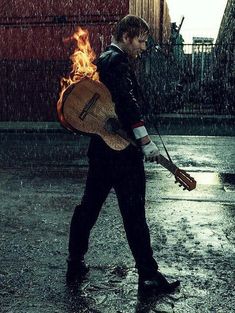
x=167 y=164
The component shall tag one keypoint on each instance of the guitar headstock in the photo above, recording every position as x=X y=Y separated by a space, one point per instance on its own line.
x=185 y=180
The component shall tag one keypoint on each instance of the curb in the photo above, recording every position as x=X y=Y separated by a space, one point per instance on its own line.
x=168 y=124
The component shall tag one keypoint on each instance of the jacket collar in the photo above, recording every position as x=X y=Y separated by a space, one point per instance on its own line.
x=115 y=48
x=115 y=45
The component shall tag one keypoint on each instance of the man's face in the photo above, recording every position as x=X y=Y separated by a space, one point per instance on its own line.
x=135 y=46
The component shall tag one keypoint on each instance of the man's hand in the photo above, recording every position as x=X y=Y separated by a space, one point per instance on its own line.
x=150 y=151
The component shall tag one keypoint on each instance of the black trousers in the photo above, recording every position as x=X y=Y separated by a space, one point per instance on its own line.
x=128 y=180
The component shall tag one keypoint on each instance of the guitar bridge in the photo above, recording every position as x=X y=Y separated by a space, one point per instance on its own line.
x=88 y=106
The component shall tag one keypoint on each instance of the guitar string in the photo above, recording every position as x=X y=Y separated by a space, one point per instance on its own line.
x=103 y=114
x=98 y=119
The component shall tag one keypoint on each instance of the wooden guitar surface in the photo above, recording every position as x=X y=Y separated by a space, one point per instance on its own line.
x=89 y=112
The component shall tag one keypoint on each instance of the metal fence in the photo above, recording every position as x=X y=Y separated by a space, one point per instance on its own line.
x=193 y=79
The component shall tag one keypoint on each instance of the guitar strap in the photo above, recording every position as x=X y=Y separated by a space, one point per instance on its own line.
x=140 y=93
x=155 y=126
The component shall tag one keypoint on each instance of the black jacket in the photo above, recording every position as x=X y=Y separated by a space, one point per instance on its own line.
x=116 y=74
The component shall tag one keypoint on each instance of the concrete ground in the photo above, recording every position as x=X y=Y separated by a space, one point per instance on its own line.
x=42 y=179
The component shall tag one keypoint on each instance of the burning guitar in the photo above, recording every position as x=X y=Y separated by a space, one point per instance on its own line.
x=86 y=106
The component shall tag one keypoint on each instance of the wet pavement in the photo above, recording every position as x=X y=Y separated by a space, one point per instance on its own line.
x=42 y=179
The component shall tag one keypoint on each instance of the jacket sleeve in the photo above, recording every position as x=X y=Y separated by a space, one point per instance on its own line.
x=119 y=80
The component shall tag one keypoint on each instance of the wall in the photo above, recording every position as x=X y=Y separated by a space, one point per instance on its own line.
x=34 y=54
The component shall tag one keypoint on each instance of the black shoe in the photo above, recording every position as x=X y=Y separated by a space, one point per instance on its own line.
x=157 y=284
x=76 y=270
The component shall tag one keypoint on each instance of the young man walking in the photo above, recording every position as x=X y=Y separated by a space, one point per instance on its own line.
x=121 y=170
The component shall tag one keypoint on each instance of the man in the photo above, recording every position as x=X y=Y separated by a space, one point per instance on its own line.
x=121 y=170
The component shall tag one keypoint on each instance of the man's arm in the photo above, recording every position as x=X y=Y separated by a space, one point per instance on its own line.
x=128 y=110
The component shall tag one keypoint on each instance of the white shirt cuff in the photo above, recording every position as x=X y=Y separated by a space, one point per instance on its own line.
x=140 y=132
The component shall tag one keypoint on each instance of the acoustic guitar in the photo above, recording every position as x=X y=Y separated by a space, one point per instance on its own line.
x=87 y=107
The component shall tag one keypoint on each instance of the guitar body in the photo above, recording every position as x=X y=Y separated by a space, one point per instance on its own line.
x=87 y=107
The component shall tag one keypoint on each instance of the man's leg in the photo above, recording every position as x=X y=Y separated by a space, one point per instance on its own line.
x=130 y=190
x=98 y=185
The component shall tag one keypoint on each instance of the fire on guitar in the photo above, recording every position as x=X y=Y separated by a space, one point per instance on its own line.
x=87 y=107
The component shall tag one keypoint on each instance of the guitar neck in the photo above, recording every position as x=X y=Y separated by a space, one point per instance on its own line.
x=167 y=164
x=162 y=160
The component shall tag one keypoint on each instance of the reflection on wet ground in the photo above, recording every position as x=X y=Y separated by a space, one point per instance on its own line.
x=208 y=184
x=209 y=178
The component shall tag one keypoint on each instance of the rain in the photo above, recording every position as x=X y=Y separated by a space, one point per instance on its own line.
x=187 y=95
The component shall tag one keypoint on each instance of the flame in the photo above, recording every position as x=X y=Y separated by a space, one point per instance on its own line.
x=82 y=59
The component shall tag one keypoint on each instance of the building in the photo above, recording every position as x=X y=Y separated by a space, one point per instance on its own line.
x=224 y=67
x=201 y=57
x=34 y=50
